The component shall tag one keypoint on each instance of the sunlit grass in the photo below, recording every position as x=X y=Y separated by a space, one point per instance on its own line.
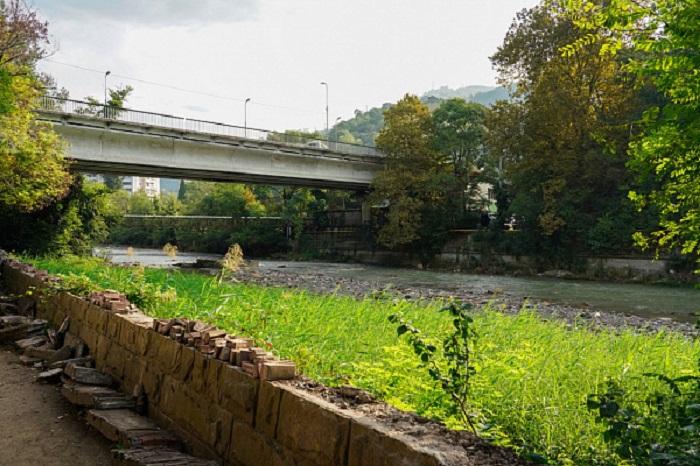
x=533 y=375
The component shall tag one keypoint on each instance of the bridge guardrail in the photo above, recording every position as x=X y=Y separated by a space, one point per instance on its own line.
x=99 y=111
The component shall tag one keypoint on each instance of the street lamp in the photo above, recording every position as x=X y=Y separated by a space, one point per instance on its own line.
x=105 y=103
x=336 y=132
x=245 y=118
x=328 y=134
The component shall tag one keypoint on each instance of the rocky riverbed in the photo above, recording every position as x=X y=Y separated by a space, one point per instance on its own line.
x=572 y=316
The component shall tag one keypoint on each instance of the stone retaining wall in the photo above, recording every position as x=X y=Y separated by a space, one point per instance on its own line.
x=219 y=411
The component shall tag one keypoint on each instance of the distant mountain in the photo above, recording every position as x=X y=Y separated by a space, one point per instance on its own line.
x=485 y=95
x=365 y=126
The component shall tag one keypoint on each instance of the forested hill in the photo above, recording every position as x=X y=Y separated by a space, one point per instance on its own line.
x=365 y=126
x=485 y=95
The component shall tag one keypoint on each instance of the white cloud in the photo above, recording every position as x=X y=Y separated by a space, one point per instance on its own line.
x=155 y=13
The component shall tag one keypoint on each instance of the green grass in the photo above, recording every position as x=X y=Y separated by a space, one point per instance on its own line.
x=533 y=375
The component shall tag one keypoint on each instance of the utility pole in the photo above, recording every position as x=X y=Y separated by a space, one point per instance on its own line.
x=328 y=133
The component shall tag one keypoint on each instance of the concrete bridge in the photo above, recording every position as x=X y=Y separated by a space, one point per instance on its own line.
x=128 y=142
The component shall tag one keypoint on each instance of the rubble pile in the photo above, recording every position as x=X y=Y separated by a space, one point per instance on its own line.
x=218 y=344
x=63 y=358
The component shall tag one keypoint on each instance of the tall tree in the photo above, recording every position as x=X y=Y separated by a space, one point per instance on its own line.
x=565 y=152
x=664 y=36
x=34 y=172
x=459 y=137
x=411 y=165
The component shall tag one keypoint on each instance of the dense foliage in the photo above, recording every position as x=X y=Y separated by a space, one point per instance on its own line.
x=433 y=166
x=72 y=225
x=33 y=170
x=564 y=138
x=663 y=37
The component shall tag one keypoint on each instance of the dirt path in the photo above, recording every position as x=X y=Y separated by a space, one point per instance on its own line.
x=38 y=427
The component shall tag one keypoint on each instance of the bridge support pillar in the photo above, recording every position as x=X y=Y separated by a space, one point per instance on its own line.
x=366 y=211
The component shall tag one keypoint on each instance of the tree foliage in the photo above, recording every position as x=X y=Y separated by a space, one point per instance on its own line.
x=664 y=36
x=411 y=163
x=33 y=170
x=69 y=226
x=563 y=137
x=460 y=139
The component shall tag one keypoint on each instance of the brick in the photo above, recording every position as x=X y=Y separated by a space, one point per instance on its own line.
x=212 y=334
x=268 y=409
x=85 y=395
x=44 y=352
x=239 y=393
x=115 y=424
x=61 y=355
x=134 y=367
x=87 y=361
x=95 y=318
x=277 y=370
x=113 y=326
x=88 y=376
x=101 y=350
x=34 y=341
x=152 y=380
x=150 y=455
x=240 y=343
x=173 y=401
x=249 y=447
x=213 y=375
x=186 y=363
x=373 y=444
x=115 y=360
x=52 y=375
x=193 y=445
x=251 y=369
x=143 y=340
x=221 y=423
x=169 y=354
x=127 y=333
x=317 y=431
x=90 y=337
x=225 y=354
x=200 y=367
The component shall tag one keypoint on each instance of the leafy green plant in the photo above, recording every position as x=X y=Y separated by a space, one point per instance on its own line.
x=77 y=284
x=454 y=372
x=659 y=430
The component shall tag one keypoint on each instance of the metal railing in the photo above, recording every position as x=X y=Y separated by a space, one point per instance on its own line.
x=137 y=117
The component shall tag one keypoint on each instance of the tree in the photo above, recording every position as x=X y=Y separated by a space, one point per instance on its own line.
x=459 y=137
x=411 y=164
x=564 y=154
x=664 y=37
x=115 y=103
x=34 y=172
x=69 y=226
x=113 y=182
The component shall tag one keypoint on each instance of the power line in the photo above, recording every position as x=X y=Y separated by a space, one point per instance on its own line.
x=180 y=89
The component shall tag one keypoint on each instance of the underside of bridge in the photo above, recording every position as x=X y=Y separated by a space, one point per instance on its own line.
x=121 y=148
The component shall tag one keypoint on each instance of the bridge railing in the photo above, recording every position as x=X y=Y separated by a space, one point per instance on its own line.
x=99 y=111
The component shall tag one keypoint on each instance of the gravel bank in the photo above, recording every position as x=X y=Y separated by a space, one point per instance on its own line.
x=572 y=316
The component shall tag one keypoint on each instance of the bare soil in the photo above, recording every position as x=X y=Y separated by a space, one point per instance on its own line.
x=38 y=427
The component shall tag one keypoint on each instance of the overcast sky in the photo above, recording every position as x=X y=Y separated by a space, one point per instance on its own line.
x=202 y=58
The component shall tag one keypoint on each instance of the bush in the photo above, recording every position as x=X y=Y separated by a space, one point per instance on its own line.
x=70 y=226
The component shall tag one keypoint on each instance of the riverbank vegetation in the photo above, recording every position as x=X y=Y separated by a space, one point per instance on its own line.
x=532 y=376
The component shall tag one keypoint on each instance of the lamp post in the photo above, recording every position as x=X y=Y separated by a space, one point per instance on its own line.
x=105 y=102
x=245 y=118
x=328 y=134
x=336 y=132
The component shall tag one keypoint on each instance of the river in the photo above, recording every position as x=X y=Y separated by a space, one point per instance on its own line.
x=649 y=301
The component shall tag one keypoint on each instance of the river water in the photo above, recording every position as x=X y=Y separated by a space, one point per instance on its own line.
x=650 y=301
